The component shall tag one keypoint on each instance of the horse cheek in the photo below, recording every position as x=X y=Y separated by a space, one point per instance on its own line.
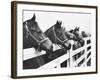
x=48 y=45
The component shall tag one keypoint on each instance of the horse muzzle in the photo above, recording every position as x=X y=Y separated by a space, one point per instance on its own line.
x=47 y=45
x=67 y=45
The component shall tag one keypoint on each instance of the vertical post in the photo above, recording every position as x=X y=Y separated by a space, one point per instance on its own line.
x=58 y=64
x=71 y=57
x=68 y=60
x=85 y=52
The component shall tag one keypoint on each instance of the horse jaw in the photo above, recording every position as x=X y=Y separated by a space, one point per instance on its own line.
x=48 y=45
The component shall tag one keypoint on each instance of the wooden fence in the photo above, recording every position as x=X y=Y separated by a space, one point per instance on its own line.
x=74 y=58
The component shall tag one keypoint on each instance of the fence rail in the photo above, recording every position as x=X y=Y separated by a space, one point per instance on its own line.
x=56 y=63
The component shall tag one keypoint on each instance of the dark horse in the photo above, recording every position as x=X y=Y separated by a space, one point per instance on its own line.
x=57 y=36
x=34 y=37
x=84 y=34
x=78 y=39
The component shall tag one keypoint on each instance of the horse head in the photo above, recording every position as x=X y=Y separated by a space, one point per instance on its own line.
x=34 y=37
x=57 y=36
x=84 y=34
x=78 y=36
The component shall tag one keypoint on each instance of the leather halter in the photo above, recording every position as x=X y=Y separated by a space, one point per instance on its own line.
x=29 y=33
x=59 y=38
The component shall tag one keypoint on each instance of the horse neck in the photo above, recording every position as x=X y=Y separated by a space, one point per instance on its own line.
x=50 y=34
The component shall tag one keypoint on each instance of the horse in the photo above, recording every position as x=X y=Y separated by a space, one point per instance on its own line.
x=78 y=39
x=70 y=35
x=33 y=37
x=84 y=34
x=57 y=36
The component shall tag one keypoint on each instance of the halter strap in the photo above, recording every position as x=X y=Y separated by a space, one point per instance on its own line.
x=39 y=42
x=59 y=38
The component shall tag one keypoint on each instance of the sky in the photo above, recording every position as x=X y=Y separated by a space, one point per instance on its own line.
x=69 y=20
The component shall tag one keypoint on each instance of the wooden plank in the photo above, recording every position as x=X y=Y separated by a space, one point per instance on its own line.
x=86 y=61
x=43 y=59
x=31 y=53
x=55 y=62
x=79 y=50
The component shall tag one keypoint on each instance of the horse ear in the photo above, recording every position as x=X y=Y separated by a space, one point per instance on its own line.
x=75 y=28
x=34 y=17
x=57 y=22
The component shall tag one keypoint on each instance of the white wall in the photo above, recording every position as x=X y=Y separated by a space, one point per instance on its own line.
x=5 y=41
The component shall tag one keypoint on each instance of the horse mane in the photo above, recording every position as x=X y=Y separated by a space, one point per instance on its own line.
x=64 y=29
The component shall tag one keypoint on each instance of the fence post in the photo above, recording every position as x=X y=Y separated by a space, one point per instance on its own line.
x=85 y=52
x=68 y=60
x=58 y=64
x=71 y=57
